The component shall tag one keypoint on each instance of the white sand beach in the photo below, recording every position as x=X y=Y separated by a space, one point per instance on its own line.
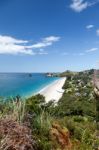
x=53 y=91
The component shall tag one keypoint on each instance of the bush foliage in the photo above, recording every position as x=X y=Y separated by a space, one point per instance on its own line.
x=69 y=125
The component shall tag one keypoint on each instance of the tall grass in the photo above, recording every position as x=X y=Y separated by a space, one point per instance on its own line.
x=18 y=110
x=13 y=109
x=42 y=123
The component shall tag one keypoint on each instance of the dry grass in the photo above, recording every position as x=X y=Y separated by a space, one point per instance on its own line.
x=15 y=136
x=61 y=137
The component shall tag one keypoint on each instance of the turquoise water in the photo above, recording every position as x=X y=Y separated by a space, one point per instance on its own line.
x=23 y=84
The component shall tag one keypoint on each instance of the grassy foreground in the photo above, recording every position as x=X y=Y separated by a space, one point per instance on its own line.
x=32 y=124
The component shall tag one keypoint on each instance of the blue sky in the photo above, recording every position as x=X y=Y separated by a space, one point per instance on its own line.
x=48 y=35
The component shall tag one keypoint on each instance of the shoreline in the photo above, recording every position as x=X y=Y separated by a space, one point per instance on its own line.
x=54 y=90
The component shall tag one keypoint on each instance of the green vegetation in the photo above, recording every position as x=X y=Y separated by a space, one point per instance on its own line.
x=67 y=125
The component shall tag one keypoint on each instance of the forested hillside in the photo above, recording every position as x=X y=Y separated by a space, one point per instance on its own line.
x=33 y=124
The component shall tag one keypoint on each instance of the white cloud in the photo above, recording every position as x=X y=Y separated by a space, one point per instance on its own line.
x=9 y=39
x=89 y=26
x=94 y=2
x=10 y=45
x=97 y=32
x=51 y=39
x=40 y=45
x=80 y=5
x=91 y=50
x=45 y=42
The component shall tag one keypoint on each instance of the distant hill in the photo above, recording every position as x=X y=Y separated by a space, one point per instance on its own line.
x=70 y=73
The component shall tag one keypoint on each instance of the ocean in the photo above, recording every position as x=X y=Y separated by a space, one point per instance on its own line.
x=23 y=84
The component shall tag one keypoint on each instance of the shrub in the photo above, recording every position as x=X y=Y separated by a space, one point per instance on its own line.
x=15 y=136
